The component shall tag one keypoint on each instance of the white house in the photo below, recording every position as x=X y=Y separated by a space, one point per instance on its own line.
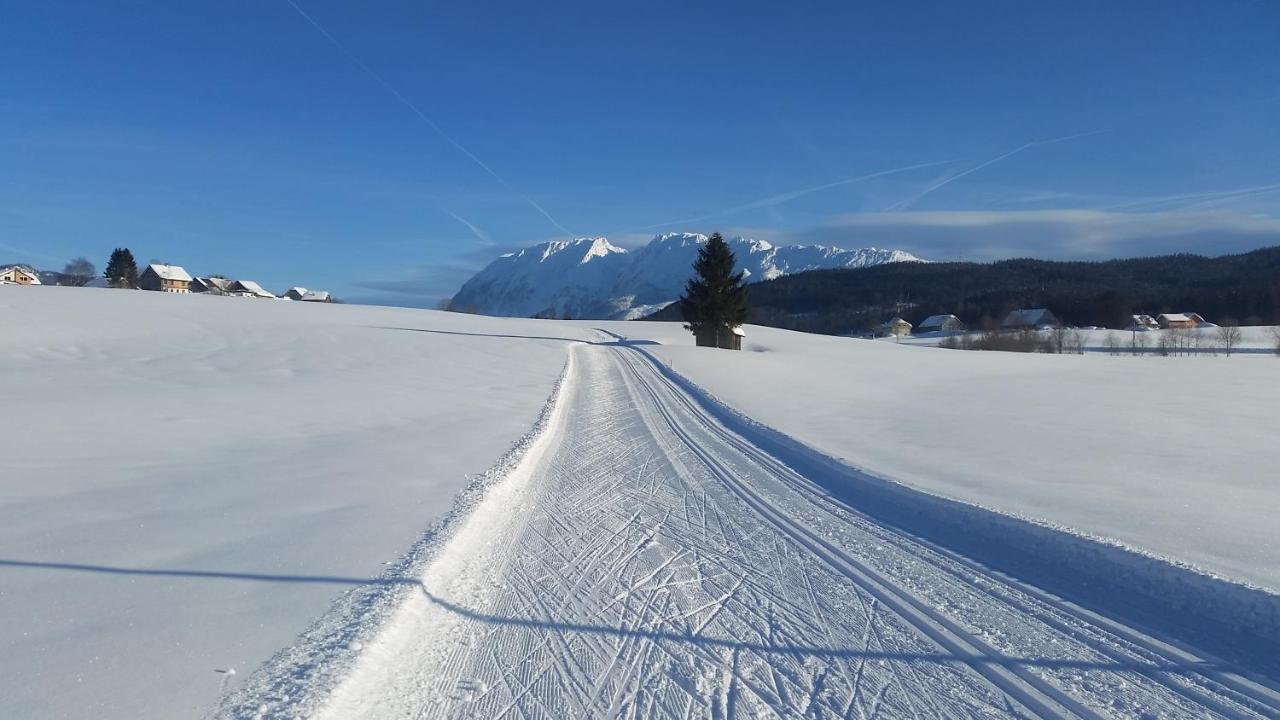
x=19 y=275
x=316 y=296
x=294 y=293
x=1143 y=322
x=896 y=327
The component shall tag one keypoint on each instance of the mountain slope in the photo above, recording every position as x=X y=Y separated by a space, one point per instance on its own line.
x=591 y=278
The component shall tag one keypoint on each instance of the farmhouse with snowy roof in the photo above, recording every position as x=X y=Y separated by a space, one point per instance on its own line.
x=1179 y=321
x=19 y=275
x=302 y=294
x=940 y=323
x=1143 y=322
x=165 y=278
x=249 y=288
x=1033 y=319
x=896 y=327
x=211 y=285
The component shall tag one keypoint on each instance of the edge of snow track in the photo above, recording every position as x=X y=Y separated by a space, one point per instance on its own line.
x=297 y=680
x=1191 y=611
x=1174 y=613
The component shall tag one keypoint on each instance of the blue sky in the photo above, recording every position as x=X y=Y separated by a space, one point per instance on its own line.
x=392 y=157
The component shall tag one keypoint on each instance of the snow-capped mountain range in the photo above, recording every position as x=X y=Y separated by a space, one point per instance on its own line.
x=590 y=278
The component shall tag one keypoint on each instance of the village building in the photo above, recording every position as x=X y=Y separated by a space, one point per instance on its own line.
x=1143 y=322
x=165 y=278
x=1032 y=319
x=249 y=288
x=941 y=323
x=211 y=285
x=294 y=293
x=19 y=275
x=1179 y=321
x=896 y=327
x=727 y=339
x=316 y=296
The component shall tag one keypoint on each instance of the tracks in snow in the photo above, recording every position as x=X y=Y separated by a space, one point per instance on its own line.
x=651 y=563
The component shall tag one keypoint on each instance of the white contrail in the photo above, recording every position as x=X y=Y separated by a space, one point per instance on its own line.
x=780 y=198
x=1194 y=200
x=425 y=118
x=481 y=235
x=904 y=204
x=29 y=253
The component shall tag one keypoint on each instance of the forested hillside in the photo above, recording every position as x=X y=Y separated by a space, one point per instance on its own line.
x=1244 y=287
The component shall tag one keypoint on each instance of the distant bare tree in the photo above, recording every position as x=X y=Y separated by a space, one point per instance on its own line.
x=1058 y=338
x=1138 y=343
x=78 y=272
x=1074 y=342
x=1182 y=340
x=1112 y=343
x=1228 y=335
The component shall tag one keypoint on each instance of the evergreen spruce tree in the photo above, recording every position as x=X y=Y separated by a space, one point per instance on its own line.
x=121 y=270
x=715 y=299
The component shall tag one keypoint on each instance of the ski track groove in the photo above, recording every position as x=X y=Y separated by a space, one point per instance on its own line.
x=663 y=566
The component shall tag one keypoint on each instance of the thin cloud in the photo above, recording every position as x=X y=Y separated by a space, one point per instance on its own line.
x=780 y=198
x=425 y=118
x=904 y=204
x=1075 y=234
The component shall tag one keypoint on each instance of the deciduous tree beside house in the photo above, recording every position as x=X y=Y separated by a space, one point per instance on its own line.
x=78 y=272
x=715 y=299
x=122 y=270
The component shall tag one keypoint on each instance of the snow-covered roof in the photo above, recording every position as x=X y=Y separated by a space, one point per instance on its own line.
x=895 y=321
x=938 y=320
x=1175 y=317
x=296 y=290
x=253 y=288
x=315 y=295
x=737 y=330
x=169 y=272
x=1031 y=317
x=218 y=283
x=31 y=274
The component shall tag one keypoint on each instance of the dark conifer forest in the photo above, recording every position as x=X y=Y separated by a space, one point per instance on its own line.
x=1244 y=288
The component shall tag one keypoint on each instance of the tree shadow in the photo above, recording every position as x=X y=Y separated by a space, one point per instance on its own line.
x=564 y=626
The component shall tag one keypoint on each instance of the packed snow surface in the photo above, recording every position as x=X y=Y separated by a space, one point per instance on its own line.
x=646 y=560
x=591 y=278
x=1175 y=456
x=370 y=512
x=173 y=466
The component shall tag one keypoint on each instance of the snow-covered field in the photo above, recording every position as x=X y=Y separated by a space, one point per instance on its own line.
x=1175 y=456
x=158 y=450
x=1256 y=341
x=187 y=483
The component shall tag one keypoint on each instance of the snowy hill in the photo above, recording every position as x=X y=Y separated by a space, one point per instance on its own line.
x=591 y=278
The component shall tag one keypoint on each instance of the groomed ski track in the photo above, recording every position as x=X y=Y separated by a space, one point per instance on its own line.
x=644 y=561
